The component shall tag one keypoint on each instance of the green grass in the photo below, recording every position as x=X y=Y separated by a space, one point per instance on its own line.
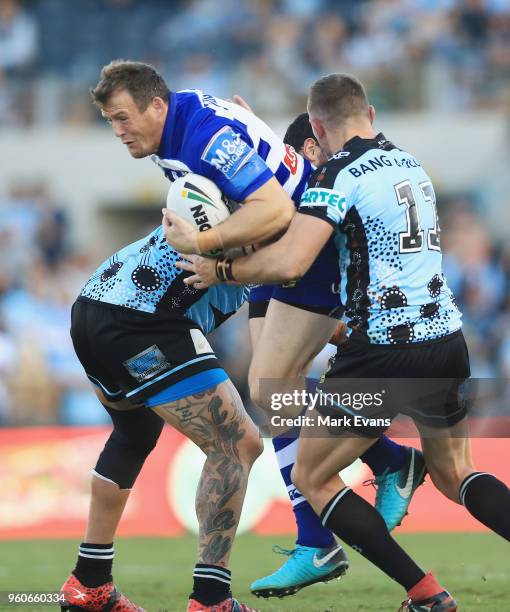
x=156 y=573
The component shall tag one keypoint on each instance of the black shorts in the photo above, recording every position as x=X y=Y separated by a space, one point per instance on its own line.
x=134 y=355
x=423 y=380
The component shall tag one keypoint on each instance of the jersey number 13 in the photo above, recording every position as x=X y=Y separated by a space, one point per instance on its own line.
x=411 y=241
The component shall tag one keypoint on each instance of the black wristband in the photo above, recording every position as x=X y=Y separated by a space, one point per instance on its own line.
x=220 y=269
x=228 y=269
x=224 y=269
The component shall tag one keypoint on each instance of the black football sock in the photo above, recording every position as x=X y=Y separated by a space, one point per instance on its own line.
x=488 y=500
x=211 y=584
x=94 y=565
x=359 y=524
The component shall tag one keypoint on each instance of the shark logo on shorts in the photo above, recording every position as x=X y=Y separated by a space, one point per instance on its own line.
x=147 y=364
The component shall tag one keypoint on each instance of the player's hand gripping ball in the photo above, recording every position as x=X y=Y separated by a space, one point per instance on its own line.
x=194 y=204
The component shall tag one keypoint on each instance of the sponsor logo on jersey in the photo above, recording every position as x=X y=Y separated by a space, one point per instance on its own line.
x=324 y=197
x=227 y=152
x=291 y=159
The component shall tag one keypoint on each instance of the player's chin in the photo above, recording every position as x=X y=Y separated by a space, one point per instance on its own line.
x=137 y=152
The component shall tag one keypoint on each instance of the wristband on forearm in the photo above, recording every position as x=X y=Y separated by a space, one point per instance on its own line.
x=210 y=240
x=224 y=269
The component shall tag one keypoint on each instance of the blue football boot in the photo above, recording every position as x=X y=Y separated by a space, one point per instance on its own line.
x=305 y=566
x=396 y=489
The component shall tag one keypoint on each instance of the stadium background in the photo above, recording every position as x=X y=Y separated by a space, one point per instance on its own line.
x=438 y=72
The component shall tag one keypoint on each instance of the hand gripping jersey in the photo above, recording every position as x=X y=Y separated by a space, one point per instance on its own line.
x=240 y=153
x=382 y=205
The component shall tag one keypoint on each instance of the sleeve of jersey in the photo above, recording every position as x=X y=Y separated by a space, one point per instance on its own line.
x=327 y=204
x=229 y=161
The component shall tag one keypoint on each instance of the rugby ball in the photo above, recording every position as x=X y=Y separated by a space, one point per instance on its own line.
x=199 y=201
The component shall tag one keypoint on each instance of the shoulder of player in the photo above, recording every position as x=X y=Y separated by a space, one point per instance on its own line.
x=203 y=112
x=206 y=129
x=328 y=175
x=337 y=166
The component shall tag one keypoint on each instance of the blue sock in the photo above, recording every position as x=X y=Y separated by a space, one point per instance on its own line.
x=385 y=454
x=309 y=526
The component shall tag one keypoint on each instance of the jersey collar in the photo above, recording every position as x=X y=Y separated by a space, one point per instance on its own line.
x=357 y=141
x=167 y=137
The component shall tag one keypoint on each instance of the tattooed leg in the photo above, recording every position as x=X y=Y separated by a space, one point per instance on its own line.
x=217 y=422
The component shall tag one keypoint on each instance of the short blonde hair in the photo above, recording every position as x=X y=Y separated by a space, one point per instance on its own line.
x=337 y=97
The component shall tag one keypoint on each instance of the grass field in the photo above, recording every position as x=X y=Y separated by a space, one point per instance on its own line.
x=155 y=573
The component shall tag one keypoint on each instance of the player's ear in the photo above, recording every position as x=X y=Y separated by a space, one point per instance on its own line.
x=310 y=147
x=371 y=114
x=159 y=105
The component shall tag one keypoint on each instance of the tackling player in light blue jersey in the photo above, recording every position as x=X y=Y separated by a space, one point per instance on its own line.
x=392 y=282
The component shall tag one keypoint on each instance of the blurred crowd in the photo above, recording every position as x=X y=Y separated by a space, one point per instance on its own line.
x=41 y=380
x=41 y=275
x=412 y=54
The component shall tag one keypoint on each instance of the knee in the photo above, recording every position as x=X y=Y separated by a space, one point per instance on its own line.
x=136 y=430
x=266 y=379
x=135 y=434
x=260 y=393
x=309 y=480
x=244 y=450
x=250 y=447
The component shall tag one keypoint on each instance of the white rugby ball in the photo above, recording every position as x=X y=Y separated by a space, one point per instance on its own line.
x=198 y=200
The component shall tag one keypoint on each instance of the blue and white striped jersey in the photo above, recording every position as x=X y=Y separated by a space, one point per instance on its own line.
x=240 y=153
x=382 y=205
x=227 y=144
